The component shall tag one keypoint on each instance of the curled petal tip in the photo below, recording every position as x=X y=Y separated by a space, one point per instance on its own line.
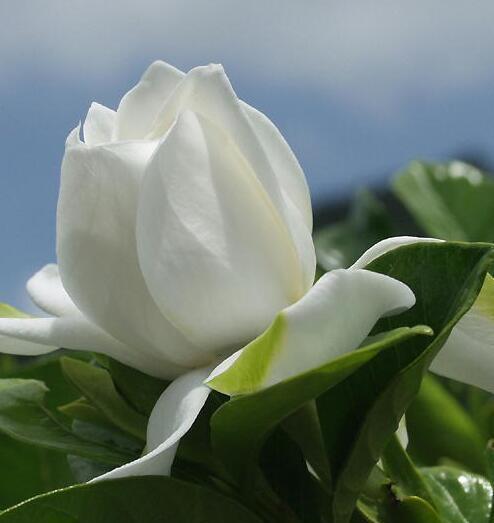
x=74 y=137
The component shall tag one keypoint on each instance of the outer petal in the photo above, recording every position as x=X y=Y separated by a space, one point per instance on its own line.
x=385 y=246
x=293 y=186
x=208 y=92
x=284 y=163
x=172 y=417
x=99 y=125
x=212 y=248
x=97 y=249
x=332 y=319
x=46 y=290
x=34 y=336
x=468 y=355
x=140 y=106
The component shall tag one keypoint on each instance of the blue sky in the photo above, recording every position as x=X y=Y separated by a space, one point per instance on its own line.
x=359 y=88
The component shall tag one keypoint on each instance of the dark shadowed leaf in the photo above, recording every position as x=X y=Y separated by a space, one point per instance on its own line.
x=440 y=427
x=139 y=389
x=138 y=500
x=340 y=244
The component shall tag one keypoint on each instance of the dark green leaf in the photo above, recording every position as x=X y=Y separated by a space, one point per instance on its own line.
x=81 y=409
x=139 y=389
x=400 y=468
x=24 y=417
x=407 y=510
x=340 y=244
x=85 y=469
x=28 y=471
x=34 y=470
x=107 y=435
x=439 y=427
x=96 y=384
x=46 y=369
x=451 y=201
x=303 y=427
x=382 y=502
x=138 y=500
x=285 y=469
x=195 y=446
x=253 y=416
x=360 y=414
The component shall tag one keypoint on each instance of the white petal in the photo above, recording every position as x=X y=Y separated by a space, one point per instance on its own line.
x=172 y=417
x=140 y=106
x=97 y=249
x=283 y=161
x=20 y=347
x=99 y=125
x=293 y=186
x=34 y=336
x=304 y=245
x=468 y=354
x=212 y=249
x=74 y=137
x=332 y=319
x=385 y=246
x=46 y=290
x=208 y=92
x=402 y=433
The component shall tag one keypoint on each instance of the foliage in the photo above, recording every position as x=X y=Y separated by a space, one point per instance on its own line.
x=316 y=447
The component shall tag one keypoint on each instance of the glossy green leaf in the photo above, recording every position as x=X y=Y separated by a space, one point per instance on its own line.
x=450 y=201
x=96 y=384
x=440 y=427
x=489 y=458
x=138 y=500
x=360 y=414
x=254 y=415
x=459 y=497
x=339 y=245
x=24 y=417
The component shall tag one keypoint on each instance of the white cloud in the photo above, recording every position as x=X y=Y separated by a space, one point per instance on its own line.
x=375 y=53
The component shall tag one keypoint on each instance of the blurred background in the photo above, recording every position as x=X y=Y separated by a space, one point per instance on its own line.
x=358 y=88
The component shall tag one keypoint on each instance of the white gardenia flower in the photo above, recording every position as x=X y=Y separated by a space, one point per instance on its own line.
x=183 y=230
